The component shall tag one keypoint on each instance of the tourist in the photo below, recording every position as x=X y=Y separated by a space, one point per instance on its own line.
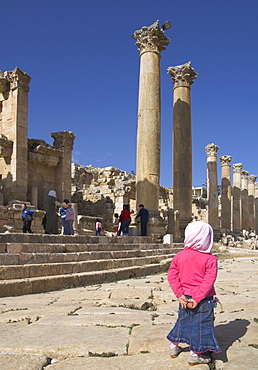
x=98 y=227
x=69 y=219
x=143 y=215
x=51 y=215
x=116 y=223
x=27 y=217
x=125 y=219
x=62 y=213
x=191 y=276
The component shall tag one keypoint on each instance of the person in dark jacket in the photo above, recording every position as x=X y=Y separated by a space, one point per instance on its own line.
x=27 y=216
x=143 y=214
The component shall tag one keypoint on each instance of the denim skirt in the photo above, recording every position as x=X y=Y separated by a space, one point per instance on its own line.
x=196 y=327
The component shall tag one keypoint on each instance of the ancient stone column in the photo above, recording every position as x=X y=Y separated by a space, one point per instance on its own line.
x=14 y=88
x=244 y=200
x=236 y=193
x=64 y=140
x=212 y=185
x=225 y=219
x=251 y=197
x=256 y=208
x=182 y=77
x=34 y=196
x=151 y=41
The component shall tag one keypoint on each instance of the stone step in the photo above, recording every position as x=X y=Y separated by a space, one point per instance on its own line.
x=73 y=247
x=18 y=287
x=37 y=258
x=48 y=269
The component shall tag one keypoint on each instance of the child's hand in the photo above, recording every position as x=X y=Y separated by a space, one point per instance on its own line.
x=191 y=303
x=183 y=301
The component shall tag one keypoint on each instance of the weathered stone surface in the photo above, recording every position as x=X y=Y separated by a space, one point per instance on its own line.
x=14 y=361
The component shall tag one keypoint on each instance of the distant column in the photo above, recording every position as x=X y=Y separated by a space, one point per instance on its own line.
x=225 y=220
x=212 y=185
x=182 y=78
x=244 y=200
x=151 y=41
x=251 y=196
x=256 y=207
x=236 y=192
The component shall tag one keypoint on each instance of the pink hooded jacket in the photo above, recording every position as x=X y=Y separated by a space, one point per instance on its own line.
x=193 y=270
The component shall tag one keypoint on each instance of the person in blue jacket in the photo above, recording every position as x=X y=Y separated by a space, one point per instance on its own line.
x=27 y=217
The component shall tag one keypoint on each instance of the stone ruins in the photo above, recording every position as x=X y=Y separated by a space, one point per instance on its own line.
x=31 y=167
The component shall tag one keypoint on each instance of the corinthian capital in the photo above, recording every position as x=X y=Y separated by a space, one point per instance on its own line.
x=182 y=75
x=211 y=150
x=19 y=79
x=252 y=179
x=151 y=38
x=244 y=175
x=237 y=167
x=63 y=139
x=225 y=160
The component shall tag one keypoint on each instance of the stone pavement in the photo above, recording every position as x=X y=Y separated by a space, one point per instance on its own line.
x=123 y=325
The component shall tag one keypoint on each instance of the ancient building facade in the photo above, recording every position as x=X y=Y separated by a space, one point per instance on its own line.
x=29 y=168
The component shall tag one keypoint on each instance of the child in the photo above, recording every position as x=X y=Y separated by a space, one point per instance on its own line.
x=116 y=223
x=191 y=276
x=62 y=212
x=69 y=219
x=98 y=227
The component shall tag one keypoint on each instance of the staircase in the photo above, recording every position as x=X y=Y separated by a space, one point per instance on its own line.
x=36 y=263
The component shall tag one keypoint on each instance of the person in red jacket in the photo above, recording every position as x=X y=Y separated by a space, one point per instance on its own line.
x=192 y=275
x=125 y=219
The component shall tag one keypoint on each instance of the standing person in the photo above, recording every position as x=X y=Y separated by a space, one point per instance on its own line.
x=62 y=212
x=116 y=223
x=143 y=214
x=125 y=219
x=191 y=276
x=98 y=227
x=69 y=219
x=51 y=215
x=27 y=217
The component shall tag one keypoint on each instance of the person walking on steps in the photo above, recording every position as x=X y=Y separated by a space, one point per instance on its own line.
x=191 y=275
x=27 y=217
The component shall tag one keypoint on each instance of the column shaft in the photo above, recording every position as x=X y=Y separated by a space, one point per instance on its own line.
x=236 y=193
x=225 y=220
x=212 y=185
x=244 y=200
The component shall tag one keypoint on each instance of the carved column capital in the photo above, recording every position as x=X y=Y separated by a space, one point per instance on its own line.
x=237 y=167
x=225 y=160
x=252 y=179
x=151 y=38
x=182 y=75
x=63 y=139
x=244 y=175
x=19 y=80
x=211 y=150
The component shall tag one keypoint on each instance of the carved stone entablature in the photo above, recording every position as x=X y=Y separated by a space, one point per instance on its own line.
x=237 y=167
x=182 y=75
x=6 y=146
x=151 y=38
x=3 y=83
x=252 y=179
x=18 y=79
x=211 y=150
x=225 y=160
x=244 y=175
x=40 y=152
x=63 y=139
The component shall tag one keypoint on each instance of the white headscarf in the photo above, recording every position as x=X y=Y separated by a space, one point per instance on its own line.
x=52 y=193
x=199 y=236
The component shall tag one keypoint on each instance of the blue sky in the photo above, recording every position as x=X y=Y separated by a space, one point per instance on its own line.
x=85 y=69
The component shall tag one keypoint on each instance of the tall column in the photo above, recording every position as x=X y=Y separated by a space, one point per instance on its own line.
x=151 y=41
x=251 y=196
x=256 y=207
x=212 y=185
x=244 y=200
x=182 y=78
x=225 y=220
x=236 y=192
